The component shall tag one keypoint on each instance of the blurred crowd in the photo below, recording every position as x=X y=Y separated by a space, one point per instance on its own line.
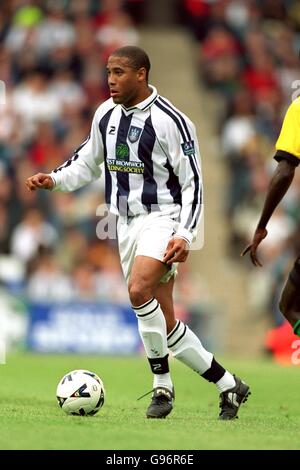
x=53 y=63
x=53 y=56
x=248 y=54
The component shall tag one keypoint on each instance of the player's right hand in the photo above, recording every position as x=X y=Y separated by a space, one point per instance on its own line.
x=259 y=235
x=39 y=181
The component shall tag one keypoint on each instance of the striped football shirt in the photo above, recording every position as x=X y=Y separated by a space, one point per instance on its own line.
x=151 y=161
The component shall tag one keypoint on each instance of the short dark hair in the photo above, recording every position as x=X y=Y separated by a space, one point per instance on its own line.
x=137 y=57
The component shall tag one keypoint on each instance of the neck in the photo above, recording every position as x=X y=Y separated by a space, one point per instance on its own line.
x=143 y=95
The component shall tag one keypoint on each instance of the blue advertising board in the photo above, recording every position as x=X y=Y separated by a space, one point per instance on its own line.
x=82 y=327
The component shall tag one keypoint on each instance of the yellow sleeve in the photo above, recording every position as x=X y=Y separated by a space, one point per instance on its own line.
x=288 y=143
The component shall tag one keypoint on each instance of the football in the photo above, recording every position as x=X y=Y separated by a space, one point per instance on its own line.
x=80 y=392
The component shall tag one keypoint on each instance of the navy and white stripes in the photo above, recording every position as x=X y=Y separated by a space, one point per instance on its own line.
x=182 y=126
x=176 y=334
x=147 y=310
x=150 y=154
x=103 y=130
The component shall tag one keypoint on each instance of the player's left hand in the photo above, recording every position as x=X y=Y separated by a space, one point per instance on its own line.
x=177 y=251
x=259 y=235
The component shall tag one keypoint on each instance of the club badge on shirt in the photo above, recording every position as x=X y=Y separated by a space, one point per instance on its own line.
x=188 y=147
x=134 y=134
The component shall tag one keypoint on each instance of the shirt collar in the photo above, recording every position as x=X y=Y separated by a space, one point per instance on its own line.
x=143 y=105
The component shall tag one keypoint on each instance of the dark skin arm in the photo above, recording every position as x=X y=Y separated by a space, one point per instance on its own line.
x=280 y=183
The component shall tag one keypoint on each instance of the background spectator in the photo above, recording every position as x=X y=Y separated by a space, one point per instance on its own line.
x=248 y=54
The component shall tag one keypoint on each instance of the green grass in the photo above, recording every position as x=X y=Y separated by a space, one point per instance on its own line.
x=31 y=419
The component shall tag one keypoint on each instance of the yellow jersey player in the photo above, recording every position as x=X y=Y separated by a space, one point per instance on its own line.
x=288 y=157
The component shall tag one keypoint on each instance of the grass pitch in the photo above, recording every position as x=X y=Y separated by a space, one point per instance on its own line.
x=31 y=419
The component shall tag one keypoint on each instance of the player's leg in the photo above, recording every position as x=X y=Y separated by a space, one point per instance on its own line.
x=164 y=295
x=290 y=299
x=187 y=348
x=145 y=275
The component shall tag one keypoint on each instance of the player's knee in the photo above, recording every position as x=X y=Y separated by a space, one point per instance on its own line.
x=287 y=304
x=289 y=295
x=139 y=292
x=282 y=306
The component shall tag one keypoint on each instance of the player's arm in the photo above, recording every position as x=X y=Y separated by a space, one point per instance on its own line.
x=184 y=154
x=279 y=185
x=82 y=168
x=288 y=156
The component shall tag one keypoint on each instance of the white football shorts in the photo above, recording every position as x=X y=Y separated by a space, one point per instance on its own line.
x=145 y=235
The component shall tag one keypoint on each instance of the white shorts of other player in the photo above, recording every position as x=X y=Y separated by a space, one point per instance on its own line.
x=145 y=235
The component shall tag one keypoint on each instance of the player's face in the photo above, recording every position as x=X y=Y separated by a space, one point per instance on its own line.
x=126 y=84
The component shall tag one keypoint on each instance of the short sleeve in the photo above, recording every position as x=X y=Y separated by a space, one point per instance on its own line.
x=288 y=143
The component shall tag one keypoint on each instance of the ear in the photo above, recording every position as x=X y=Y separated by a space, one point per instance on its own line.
x=141 y=74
